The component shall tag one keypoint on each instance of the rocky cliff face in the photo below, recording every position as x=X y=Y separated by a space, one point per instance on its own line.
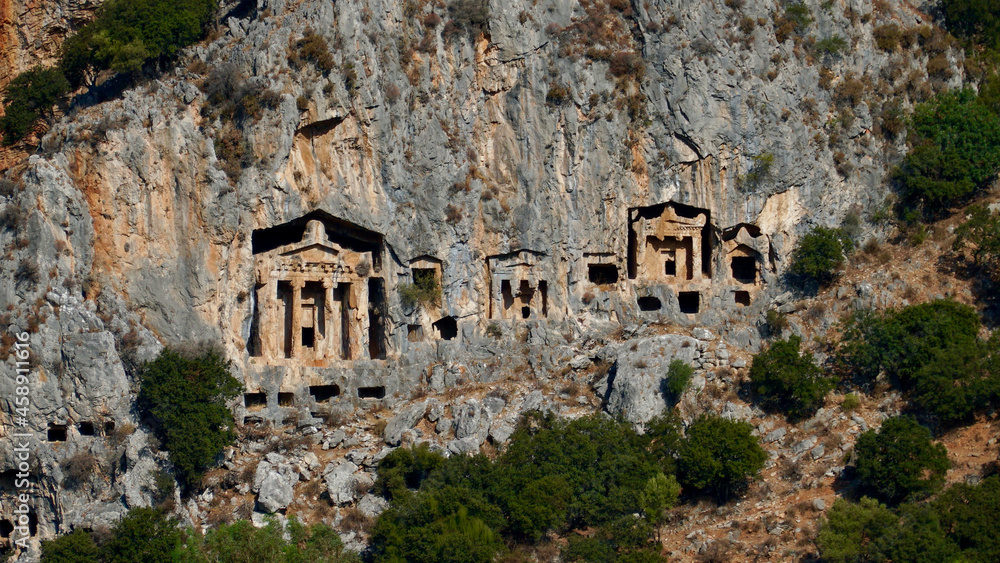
x=31 y=32
x=561 y=168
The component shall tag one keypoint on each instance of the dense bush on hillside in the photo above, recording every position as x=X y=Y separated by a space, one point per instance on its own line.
x=128 y=33
x=125 y=35
x=978 y=20
x=184 y=397
x=28 y=97
x=931 y=350
x=788 y=381
x=555 y=475
x=960 y=525
x=899 y=461
x=956 y=152
x=980 y=233
x=819 y=254
x=147 y=535
x=719 y=455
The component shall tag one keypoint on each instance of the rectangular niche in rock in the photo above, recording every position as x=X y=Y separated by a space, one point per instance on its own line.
x=323 y=393
x=516 y=289
x=415 y=333
x=602 y=274
x=649 y=303
x=742 y=298
x=744 y=249
x=446 y=328
x=254 y=401
x=689 y=301
x=56 y=433
x=371 y=392
x=109 y=427
x=319 y=295
x=85 y=428
x=286 y=399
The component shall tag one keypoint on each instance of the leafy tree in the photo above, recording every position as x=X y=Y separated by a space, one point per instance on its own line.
x=974 y=19
x=899 y=461
x=970 y=514
x=719 y=455
x=981 y=233
x=144 y=535
x=29 y=96
x=185 y=398
x=678 y=377
x=77 y=547
x=787 y=380
x=847 y=533
x=956 y=151
x=660 y=495
x=405 y=468
x=819 y=254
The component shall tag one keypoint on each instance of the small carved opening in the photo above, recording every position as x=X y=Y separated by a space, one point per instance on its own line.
x=252 y=420
x=543 y=289
x=649 y=303
x=286 y=399
x=742 y=298
x=371 y=392
x=254 y=401
x=323 y=393
x=689 y=301
x=109 y=427
x=744 y=269
x=253 y=343
x=308 y=337
x=447 y=328
x=670 y=267
x=32 y=523
x=602 y=274
x=57 y=433
x=284 y=297
x=377 y=325
x=86 y=428
x=506 y=294
x=525 y=312
x=415 y=333
x=6 y=528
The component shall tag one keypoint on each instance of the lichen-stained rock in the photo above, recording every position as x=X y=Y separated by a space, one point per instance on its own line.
x=407 y=418
x=637 y=388
x=340 y=481
x=275 y=492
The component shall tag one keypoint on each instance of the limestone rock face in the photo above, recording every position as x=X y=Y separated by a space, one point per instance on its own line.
x=507 y=172
x=637 y=389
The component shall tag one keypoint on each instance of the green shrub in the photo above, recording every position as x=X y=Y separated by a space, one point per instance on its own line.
x=932 y=351
x=831 y=46
x=788 y=381
x=975 y=19
x=77 y=547
x=678 y=377
x=887 y=36
x=719 y=455
x=956 y=152
x=819 y=254
x=899 y=461
x=776 y=322
x=405 y=468
x=760 y=172
x=851 y=402
x=472 y=16
x=849 y=531
x=424 y=289
x=128 y=33
x=960 y=525
x=185 y=398
x=144 y=535
x=659 y=495
x=312 y=48
x=981 y=233
x=29 y=96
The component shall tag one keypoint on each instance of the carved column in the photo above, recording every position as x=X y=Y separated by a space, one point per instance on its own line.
x=696 y=258
x=265 y=321
x=297 y=285
x=327 y=336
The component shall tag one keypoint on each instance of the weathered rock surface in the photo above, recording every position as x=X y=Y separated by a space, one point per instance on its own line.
x=637 y=389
